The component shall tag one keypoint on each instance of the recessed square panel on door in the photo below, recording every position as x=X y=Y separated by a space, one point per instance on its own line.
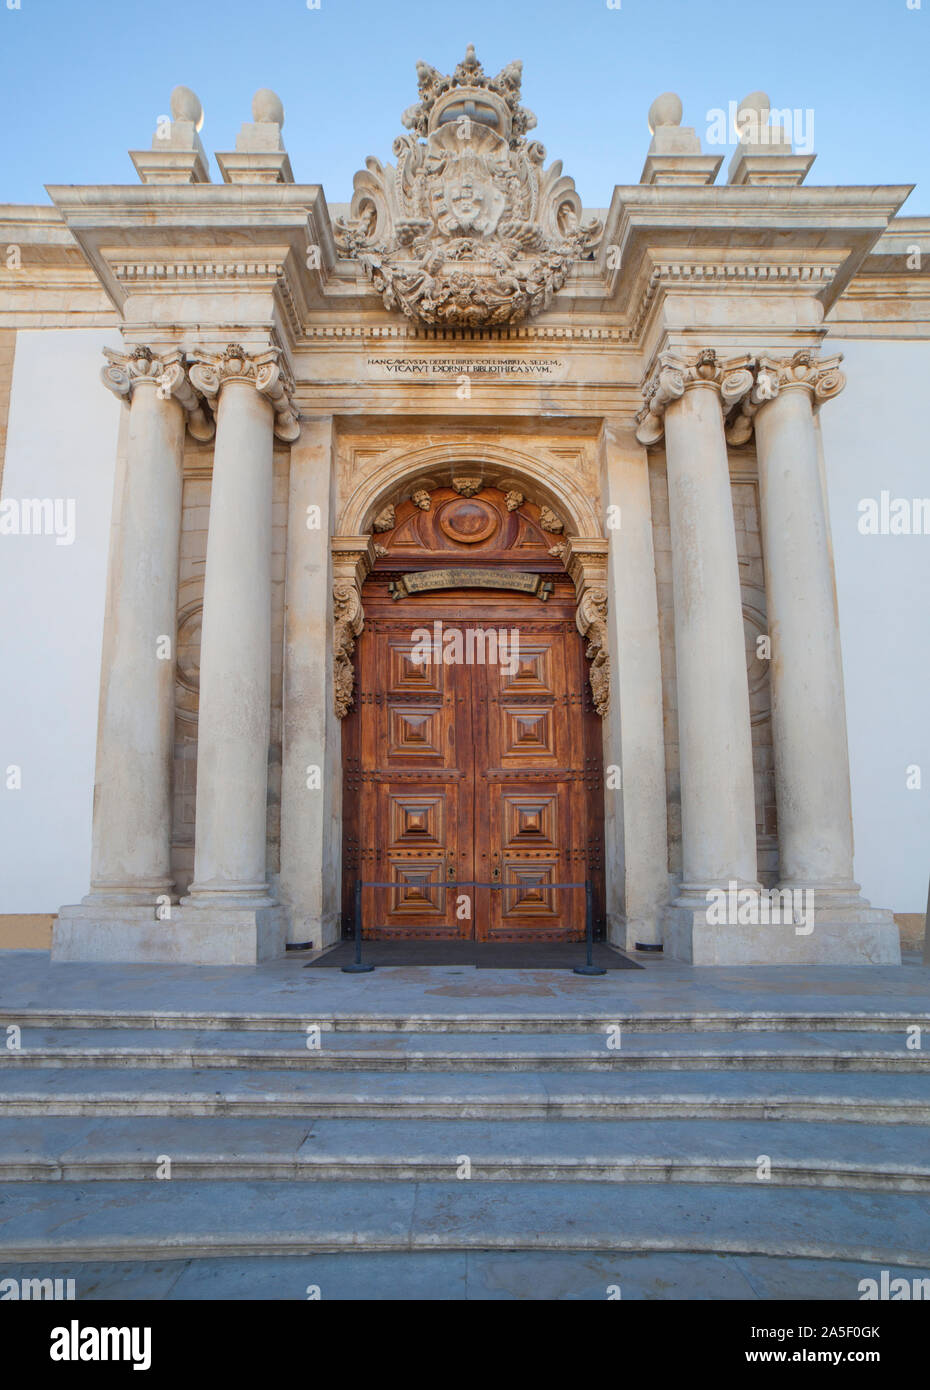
x=424 y=800
x=535 y=756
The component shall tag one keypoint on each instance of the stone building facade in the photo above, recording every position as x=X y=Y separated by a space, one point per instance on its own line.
x=464 y=373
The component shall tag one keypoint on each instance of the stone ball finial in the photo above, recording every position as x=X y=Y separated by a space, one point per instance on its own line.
x=185 y=106
x=665 y=110
x=754 y=108
x=267 y=107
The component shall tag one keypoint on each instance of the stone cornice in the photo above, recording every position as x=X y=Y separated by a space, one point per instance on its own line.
x=810 y=241
x=264 y=370
x=166 y=373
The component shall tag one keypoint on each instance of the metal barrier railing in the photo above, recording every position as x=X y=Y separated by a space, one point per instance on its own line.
x=358 y=967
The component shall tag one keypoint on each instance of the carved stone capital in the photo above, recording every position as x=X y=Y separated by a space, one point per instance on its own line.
x=672 y=376
x=264 y=370
x=165 y=371
x=820 y=376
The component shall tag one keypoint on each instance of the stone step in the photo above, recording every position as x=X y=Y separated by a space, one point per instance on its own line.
x=470 y=1275
x=838 y=1155
x=62 y=1222
x=478 y=1019
x=459 y=1052
x=496 y=1095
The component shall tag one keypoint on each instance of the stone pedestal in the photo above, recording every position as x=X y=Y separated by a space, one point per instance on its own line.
x=189 y=936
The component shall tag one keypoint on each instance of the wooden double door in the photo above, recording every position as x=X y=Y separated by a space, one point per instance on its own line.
x=479 y=764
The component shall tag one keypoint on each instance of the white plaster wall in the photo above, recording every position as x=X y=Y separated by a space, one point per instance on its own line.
x=61 y=443
x=875 y=436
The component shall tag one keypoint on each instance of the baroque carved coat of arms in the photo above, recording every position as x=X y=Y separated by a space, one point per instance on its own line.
x=468 y=230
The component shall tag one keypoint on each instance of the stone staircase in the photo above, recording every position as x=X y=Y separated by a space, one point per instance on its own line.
x=709 y=1151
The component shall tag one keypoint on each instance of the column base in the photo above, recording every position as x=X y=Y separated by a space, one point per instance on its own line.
x=836 y=936
x=146 y=893
x=190 y=936
x=248 y=895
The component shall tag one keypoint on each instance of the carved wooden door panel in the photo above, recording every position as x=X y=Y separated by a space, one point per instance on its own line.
x=416 y=794
x=530 y=812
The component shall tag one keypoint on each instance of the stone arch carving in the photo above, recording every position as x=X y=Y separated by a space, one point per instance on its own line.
x=541 y=480
x=579 y=541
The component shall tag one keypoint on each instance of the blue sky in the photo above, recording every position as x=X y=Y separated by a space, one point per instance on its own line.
x=84 y=81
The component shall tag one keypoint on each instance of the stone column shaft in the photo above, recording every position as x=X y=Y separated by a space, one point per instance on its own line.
x=808 y=707
x=132 y=803
x=715 y=741
x=235 y=657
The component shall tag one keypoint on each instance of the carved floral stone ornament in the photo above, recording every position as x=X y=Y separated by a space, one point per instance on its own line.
x=348 y=621
x=745 y=384
x=468 y=230
x=263 y=370
x=591 y=620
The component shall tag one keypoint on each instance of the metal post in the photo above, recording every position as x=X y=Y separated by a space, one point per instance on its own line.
x=357 y=968
x=589 y=968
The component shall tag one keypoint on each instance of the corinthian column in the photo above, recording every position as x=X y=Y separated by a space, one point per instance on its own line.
x=808 y=710
x=252 y=405
x=132 y=804
x=718 y=819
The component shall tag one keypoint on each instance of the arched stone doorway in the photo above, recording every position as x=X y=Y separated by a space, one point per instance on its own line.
x=472 y=750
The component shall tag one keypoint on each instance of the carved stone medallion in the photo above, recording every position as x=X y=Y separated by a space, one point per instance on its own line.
x=469 y=521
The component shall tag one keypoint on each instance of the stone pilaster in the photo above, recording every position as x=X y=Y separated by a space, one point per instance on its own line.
x=311 y=775
x=635 y=814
